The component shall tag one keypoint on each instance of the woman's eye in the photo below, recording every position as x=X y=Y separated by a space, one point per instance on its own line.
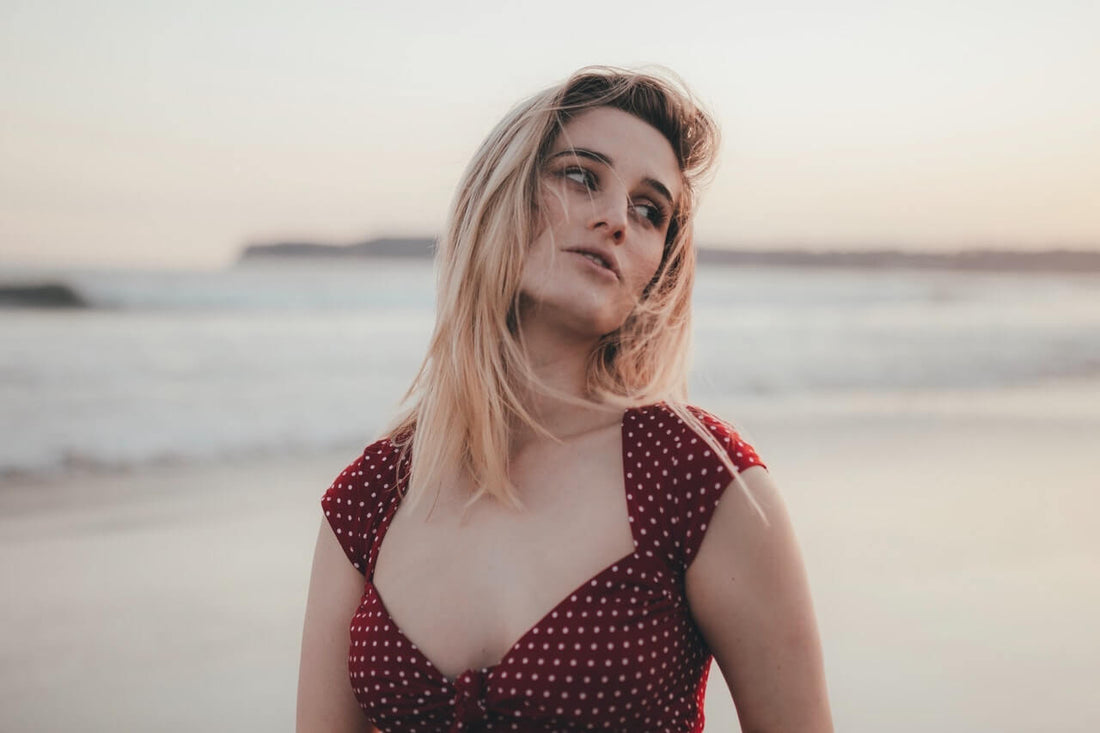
x=654 y=213
x=581 y=176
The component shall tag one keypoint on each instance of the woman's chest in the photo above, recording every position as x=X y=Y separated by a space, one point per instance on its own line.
x=612 y=647
x=619 y=649
x=465 y=588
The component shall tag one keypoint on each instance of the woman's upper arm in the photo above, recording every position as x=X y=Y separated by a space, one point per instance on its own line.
x=325 y=699
x=750 y=598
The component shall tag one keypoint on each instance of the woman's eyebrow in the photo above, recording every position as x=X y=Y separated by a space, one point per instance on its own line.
x=653 y=183
x=585 y=153
x=661 y=189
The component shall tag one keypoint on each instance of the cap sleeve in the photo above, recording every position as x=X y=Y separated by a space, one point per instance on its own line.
x=354 y=503
x=703 y=479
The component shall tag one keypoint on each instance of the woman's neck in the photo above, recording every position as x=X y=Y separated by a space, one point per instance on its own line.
x=561 y=364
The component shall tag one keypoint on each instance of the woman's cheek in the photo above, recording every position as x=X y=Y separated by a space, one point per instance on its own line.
x=649 y=271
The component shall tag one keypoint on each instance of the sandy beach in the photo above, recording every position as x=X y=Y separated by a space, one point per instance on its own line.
x=954 y=563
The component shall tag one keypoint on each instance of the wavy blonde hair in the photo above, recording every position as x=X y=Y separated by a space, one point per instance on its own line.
x=469 y=394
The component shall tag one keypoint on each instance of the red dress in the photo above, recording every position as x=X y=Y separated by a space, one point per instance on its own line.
x=620 y=652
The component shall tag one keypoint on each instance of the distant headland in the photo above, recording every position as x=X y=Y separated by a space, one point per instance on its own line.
x=988 y=260
x=40 y=295
x=411 y=247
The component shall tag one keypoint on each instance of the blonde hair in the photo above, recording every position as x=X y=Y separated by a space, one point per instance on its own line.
x=468 y=395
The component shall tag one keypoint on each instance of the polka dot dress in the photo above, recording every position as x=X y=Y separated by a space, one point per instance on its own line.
x=618 y=653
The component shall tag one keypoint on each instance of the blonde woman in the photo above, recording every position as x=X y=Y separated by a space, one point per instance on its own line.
x=550 y=538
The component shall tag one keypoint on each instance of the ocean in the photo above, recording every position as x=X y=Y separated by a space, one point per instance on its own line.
x=284 y=357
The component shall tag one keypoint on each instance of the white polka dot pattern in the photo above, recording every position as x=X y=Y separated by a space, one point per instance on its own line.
x=618 y=653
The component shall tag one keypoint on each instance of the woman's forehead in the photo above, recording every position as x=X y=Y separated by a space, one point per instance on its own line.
x=632 y=146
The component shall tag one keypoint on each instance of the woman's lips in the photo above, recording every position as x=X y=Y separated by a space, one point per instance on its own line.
x=598 y=259
x=597 y=267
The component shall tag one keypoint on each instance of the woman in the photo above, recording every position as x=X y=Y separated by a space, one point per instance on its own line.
x=560 y=548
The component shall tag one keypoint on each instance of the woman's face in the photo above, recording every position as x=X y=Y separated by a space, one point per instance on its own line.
x=609 y=186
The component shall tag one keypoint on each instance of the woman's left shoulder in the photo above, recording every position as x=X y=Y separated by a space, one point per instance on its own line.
x=685 y=459
x=697 y=434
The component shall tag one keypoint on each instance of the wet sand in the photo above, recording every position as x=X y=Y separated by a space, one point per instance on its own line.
x=954 y=560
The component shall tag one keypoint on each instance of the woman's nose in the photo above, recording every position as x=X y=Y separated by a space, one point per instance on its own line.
x=609 y=215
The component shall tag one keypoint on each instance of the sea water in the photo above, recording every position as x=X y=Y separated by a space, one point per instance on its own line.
x=295 y=356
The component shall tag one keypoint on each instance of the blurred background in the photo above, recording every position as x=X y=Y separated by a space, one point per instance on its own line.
x=899 y=305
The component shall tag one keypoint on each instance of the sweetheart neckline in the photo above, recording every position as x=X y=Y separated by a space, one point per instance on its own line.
x=568 y=597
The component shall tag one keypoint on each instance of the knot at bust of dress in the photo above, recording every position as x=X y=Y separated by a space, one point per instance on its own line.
x=470 y=706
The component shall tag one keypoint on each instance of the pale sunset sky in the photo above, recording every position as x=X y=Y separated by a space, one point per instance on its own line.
x=149 y=133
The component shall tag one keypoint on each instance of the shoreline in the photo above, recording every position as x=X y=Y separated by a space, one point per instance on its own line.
x=1053 y=402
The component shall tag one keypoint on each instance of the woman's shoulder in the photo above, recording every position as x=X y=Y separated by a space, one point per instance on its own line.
x=359 y=496
x=683 y=458
x=693 y=431
x=375 y=466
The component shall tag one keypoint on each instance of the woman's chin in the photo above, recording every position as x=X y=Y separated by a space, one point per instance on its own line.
x=582 y=323
x=596 y=325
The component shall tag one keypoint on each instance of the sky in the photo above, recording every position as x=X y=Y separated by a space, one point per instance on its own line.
x=149 y=133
